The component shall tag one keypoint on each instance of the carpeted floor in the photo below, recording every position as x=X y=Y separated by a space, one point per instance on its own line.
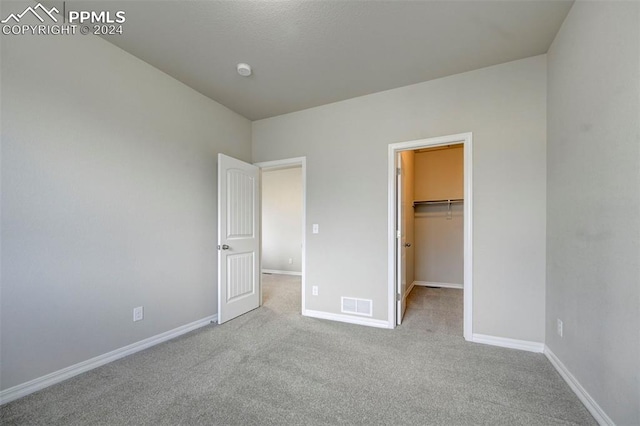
x=274 y=367
x=437 y=310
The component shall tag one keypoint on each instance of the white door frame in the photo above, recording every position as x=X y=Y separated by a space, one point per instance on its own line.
x=394 y=149
x=280 y=164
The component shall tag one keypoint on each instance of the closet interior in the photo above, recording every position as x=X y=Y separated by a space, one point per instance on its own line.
x=433 y=215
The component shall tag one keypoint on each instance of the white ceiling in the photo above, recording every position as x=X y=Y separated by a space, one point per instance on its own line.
x=310 y=53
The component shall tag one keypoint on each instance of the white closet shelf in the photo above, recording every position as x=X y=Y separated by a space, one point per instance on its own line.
x=430 y=202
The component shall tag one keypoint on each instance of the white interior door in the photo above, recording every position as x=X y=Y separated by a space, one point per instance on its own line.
x=238 y=238
x=401 y=243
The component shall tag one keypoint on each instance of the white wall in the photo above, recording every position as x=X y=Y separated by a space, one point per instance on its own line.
x=108 y=201
x=282 y=219
x=593 y=235
x=346 y=145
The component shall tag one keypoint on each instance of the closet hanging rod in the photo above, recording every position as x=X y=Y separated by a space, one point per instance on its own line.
x=428 y=202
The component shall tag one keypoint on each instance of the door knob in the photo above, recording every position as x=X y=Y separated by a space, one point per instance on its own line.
x=407 y=244
x=224 y=247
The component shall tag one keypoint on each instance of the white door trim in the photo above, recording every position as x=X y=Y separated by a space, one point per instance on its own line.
x=394 y=148
x=282 y=164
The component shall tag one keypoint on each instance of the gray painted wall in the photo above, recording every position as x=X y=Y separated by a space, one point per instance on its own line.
x=346 y=146
x=593 y=234
x=282 y=219
x=108 y=201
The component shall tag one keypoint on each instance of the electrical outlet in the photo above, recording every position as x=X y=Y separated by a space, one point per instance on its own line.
x=290 y=261
x=560 y=327
x=138 y=313
x=314 y=290
x=315 y=228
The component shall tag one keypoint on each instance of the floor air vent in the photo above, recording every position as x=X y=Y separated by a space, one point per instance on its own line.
x=351 y=305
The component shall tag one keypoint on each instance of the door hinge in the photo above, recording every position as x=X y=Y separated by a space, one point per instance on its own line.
x=398 y=171
x=398 y=297
x=398 y=234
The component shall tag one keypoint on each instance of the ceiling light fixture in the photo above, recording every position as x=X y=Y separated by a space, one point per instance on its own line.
x=244 y=69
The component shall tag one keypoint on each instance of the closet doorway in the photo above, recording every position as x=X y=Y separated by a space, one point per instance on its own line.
x=430 y=209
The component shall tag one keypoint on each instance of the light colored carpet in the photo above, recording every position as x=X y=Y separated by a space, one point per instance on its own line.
x=274 y=367
x=438 y=310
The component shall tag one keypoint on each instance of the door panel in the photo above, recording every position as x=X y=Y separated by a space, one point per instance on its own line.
x=239 y=267
x=401 y=240
x=238 y=238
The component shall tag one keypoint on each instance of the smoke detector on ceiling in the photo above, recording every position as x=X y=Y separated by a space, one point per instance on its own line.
x=244 y=69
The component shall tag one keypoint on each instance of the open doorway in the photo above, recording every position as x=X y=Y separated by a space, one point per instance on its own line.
x=433 y=241
x=282 y=234
x=430 y=211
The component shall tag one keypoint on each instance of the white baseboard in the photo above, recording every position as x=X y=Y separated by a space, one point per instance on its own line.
x=347 y=318
x=276 y=271
x=413 y=284
x=441 y=285
x=40 y=383
x=593 y=407
x=523 y=345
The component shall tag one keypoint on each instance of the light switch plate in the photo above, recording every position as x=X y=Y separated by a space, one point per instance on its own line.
x=138 y=313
